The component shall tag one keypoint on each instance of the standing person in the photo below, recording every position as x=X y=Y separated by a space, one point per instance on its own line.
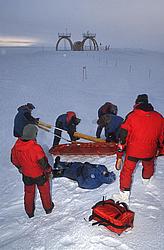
x=28 y=156
x=22 y=118
x=160 y=150
x=111 y=122
x=140 y=136
x=67 y=122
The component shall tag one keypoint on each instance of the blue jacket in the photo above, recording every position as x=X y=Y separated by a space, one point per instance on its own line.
x=22 y=118
x=62 y=120
x=111 y=125
x=66 y=122
x=114 y=125
x=88 y=176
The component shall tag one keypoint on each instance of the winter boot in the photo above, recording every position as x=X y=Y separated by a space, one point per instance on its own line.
x=58 y=170
x=57 y=162
x=48 y=211
x=147 y=181
x=30 y=215
x=57 y=173
x=123 y=196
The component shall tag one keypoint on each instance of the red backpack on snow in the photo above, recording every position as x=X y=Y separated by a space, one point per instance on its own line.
x=114 y=215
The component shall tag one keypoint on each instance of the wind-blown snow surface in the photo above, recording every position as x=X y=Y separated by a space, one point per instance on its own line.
x=54 y=83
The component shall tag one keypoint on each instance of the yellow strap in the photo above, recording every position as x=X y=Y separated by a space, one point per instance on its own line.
x=87 y=137
x=43 y=127
x=44 y=124
x=47 y=126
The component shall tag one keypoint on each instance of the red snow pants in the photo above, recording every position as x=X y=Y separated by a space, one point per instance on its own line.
x=128 y=169
x=29 y=197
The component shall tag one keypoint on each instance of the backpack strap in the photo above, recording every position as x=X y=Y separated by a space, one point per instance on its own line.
x=107 y=223
x=115 y=205
x=124 y=205
x=103 y=202
x=112 y=203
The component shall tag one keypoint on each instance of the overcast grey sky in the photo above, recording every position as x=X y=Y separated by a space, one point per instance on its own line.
x=121 y=23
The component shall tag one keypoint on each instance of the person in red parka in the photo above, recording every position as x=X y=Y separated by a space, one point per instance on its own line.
x=160 y=151
x=141 y=135
x=28 y=156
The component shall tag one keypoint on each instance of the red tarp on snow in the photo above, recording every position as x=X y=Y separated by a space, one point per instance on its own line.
x=80 y=148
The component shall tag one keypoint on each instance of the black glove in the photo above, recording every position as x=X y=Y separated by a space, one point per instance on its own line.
x=74 y=138
x=108 y=139
x=20 y=170
x=77 y=139
x=37 y=120
x=77 y=121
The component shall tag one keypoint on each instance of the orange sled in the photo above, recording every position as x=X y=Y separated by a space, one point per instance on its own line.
x=82 y=148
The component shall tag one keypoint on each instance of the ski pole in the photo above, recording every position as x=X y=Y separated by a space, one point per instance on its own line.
x=60 y=129
x=44 y=124
x=59 y=136
x=43 y=127
x=49 y=126
x=48 y=130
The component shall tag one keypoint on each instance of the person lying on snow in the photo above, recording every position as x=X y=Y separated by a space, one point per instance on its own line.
x=88 y=176
x=67 y=122
x=32 y=163
x=141 y=135
x=111 y=122
x=22 y=118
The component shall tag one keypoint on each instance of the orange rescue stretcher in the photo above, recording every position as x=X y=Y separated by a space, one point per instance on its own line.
x=85 y=148
x=96 y=146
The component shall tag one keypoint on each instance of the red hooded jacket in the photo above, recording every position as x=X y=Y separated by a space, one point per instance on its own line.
x=26 y=155
x=143 y=130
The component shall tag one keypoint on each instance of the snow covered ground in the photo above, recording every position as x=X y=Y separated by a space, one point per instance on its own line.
x=54 y=83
